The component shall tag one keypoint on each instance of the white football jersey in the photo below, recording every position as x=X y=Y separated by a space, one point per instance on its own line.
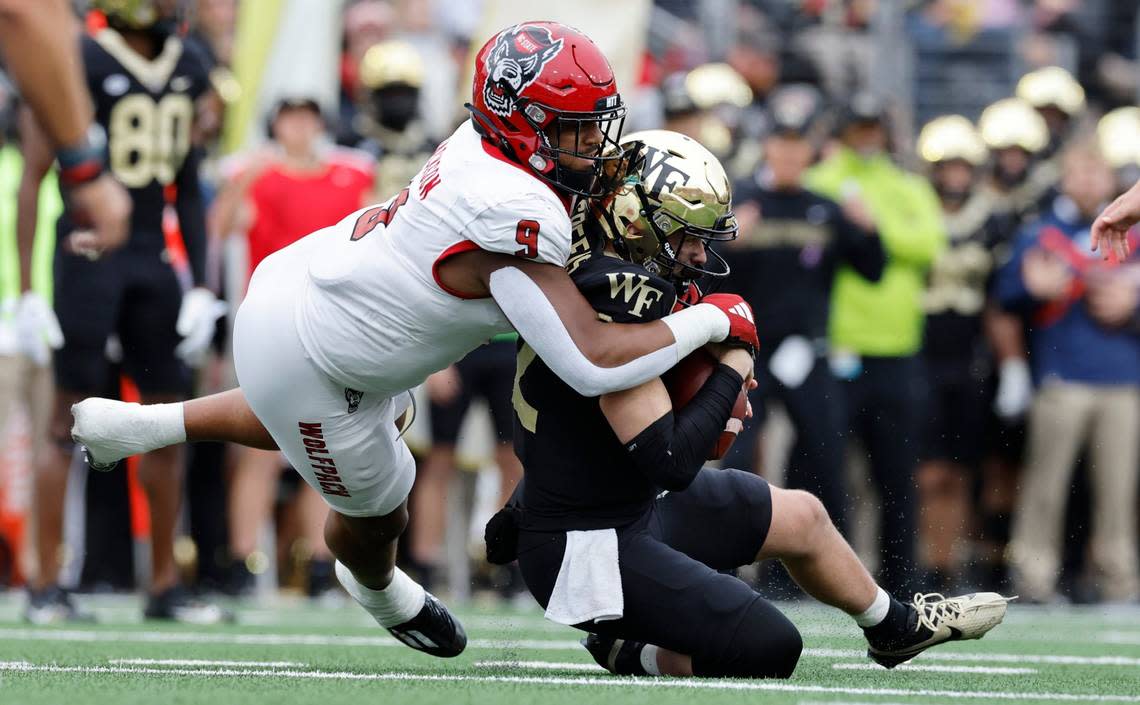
x=374 y=316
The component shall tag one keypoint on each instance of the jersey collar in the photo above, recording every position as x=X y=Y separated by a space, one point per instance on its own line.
x=153 y=74
x=497 y=153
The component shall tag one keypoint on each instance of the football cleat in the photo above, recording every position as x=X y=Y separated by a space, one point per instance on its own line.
x=108 y=431
x=618 y=656
x=177 y=605
x=434 y=630
x=53 y=605
x=933 y=620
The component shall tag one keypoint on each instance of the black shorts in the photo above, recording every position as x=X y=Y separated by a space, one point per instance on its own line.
x=670 y=557
x=956 y=403
x=131 y=293
x=488 y=372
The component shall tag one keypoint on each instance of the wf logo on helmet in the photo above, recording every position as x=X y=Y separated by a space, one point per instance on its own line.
x=514 y=63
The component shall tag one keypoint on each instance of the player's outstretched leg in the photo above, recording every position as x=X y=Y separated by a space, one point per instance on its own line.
x=110 y=430
x=824 y=565
x=932 y=619
x=365 y=548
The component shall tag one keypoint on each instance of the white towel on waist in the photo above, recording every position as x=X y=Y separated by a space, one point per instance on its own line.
x=588 y=587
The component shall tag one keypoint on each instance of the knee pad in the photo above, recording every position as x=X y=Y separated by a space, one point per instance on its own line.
x=764 y=644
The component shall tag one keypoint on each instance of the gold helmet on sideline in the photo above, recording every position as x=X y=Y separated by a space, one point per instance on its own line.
x=951 y=137
x=1012 y=122
x=1052 y=86
x=672 y=185
x=391 y=62
x=1118 y=133
x=137 y=14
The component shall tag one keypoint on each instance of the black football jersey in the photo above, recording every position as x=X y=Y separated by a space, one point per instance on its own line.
x=978 y=240
x=147 y=109
x=578 y=475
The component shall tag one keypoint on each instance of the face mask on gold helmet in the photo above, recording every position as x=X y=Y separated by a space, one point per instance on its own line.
x=671 y=186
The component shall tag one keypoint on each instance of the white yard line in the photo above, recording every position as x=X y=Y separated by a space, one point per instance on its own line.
x=934 y=668
x=959 y=656
x=668 y=683
x=201 y=662
x=156 y=637
x=543 y=665
x=844 y=702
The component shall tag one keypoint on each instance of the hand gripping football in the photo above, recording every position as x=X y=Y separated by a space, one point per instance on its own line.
x=687 y=378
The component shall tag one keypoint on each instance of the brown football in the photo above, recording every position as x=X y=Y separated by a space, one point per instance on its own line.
x=687 y=378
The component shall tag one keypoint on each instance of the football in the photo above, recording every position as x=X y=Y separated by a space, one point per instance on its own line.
x=686 y=379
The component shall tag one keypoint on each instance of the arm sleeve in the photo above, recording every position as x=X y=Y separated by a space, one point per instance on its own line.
x=859 y=248
x=535 y=319
x=192 y=216
x=672 y=450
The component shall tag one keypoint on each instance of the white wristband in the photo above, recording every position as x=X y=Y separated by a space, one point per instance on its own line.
x=694 y=326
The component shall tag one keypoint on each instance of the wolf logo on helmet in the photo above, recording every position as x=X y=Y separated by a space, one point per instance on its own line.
x=514 y=63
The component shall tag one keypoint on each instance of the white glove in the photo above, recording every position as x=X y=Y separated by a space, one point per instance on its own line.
x=37 y=329
x=196 y=322
x=1015 y=389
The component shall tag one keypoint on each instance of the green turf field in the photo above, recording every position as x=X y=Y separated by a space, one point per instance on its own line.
x=284 y=652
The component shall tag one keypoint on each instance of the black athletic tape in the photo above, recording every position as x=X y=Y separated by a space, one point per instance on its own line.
x=672 y=449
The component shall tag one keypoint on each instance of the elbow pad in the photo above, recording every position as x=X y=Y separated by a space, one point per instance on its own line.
x=534 y=317
x=652 y=454
x=672 y=449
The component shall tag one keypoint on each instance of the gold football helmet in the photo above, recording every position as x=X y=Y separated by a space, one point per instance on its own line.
x=1054 y=86
x=391 y=62
x=1012 y=122
x=672 y=185
x=135 y=14
x=951 y=137
x=1118 y=133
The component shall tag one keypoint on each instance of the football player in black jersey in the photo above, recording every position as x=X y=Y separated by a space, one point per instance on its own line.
x=144 y=83
x=618 y=529
x=958 y=362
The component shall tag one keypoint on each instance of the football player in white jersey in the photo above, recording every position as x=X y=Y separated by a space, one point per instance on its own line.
x=338 y=326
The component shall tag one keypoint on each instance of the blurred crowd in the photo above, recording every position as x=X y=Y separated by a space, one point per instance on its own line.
x=944 y=361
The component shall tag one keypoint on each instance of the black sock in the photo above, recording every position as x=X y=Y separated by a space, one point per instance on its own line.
x=897 y=621
x=628 y=661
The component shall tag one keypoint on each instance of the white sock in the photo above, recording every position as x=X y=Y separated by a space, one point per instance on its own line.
x=395 y=604
x=877 y=612
x=649 y=660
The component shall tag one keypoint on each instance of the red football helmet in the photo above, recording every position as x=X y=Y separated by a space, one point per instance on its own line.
x=538 y=81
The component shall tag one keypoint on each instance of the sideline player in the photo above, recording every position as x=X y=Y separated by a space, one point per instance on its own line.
x=145 y=85
x=38 y=39
x=338 y=326
x=604 y=549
